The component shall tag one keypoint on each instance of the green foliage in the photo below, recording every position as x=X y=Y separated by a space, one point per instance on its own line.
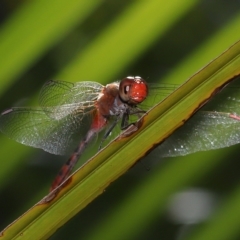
x=105 y=41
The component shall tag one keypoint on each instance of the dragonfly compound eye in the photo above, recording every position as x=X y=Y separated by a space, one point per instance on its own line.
x=133 y=90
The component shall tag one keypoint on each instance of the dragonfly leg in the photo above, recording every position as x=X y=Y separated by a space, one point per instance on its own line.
x=124 y=123
x=125 y=119
x=108 y=132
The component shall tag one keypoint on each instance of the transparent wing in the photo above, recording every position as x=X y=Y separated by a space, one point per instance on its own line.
x=225 y=101
x=60 y=98
x=211 y=128
x=204 y=131
x=157 y=92
x=34 y=127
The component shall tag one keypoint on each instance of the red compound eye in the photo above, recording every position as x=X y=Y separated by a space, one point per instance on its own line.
x=133 y=90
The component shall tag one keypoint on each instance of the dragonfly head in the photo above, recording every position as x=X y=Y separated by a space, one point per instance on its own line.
x=133 y=90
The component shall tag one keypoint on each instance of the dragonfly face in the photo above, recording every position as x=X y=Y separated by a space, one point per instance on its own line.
x=133 y=90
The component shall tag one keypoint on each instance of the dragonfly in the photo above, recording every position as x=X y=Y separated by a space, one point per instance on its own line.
x=65 y=107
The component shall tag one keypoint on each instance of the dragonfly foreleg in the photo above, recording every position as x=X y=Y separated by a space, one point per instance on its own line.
x=109 y=130
x=125 y=119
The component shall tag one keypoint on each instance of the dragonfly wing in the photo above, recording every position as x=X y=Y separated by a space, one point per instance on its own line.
x=63 y=98
x=210 y=128
x=33 y=127
x=204 y=131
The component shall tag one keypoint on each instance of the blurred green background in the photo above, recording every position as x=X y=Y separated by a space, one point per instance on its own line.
x=105 y=41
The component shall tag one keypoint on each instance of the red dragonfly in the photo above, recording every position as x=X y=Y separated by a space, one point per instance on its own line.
x=64 y=106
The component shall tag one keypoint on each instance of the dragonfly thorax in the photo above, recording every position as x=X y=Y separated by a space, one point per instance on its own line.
x=118 y=107
x=109 y=102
